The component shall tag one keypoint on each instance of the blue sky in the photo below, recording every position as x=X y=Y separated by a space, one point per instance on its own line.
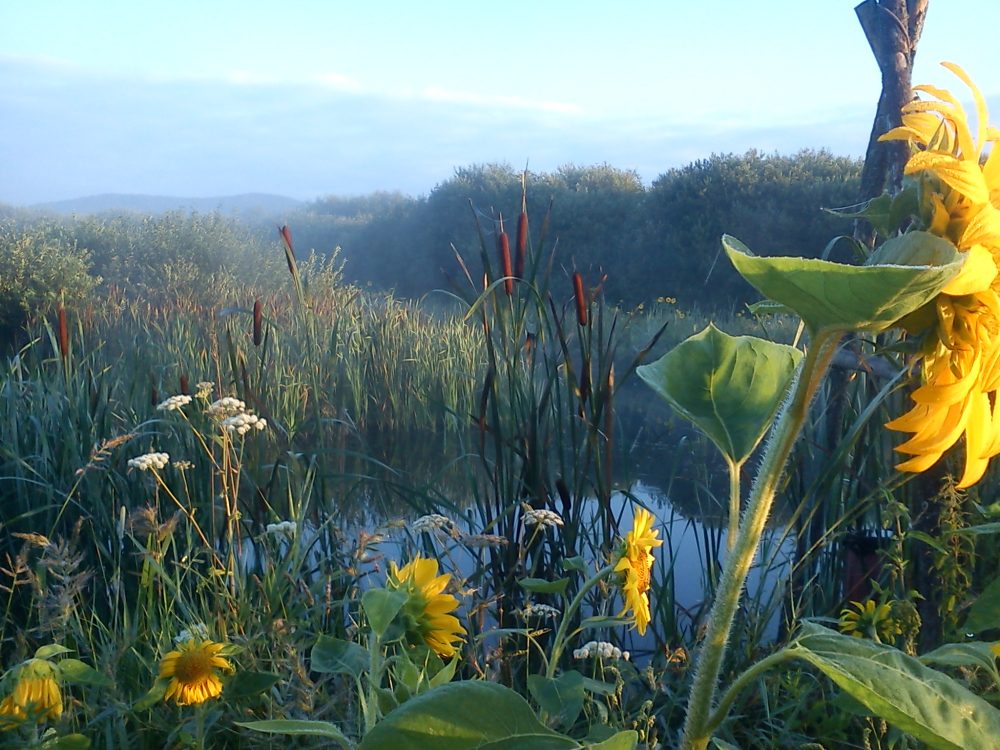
x=315 y=98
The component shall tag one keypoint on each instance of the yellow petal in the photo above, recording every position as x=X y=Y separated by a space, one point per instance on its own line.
x=977 y=273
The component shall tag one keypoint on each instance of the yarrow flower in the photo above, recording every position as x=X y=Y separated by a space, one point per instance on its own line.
x=484 y=540
x=635 y=566
x=538 y=611
x=36 y=696
x=427 y=612
x=601 y=650
x=282 y=528
x=203 y=390
x=958 y=177
x=244 y=422
x=182 y=465
x=225 y=407
x=542 y=517
x=870 y=620
x=174 y=403
x=430 y=523
x=148 y=461
x=193 y=671
x=198 y=631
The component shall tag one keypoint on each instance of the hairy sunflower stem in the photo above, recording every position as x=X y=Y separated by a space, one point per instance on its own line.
x=698 y=722
x=560 y=640
x=735 y=469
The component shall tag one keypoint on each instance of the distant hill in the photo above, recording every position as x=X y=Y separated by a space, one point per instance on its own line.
x=249 y=204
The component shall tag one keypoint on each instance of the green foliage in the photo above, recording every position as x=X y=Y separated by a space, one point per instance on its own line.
x=39 y=266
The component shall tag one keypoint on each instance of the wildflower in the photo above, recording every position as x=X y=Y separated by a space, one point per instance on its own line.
x=283 y=528
x=197 y=631
x=601 y=650
x=869 y=620
x=148 y=461
x=542 y=517
x=36 y=695
x=635 y=565
x=484 y=540
x=539 y=611
x=174 y=403
x=203 y=389
x=193 y=671
x=427 y=613
x=183 y=465
x=430 y=523
x=224 y=407
x=244 y=422
x=958 y=176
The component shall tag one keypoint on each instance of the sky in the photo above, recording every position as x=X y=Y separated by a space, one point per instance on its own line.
x=334 y=97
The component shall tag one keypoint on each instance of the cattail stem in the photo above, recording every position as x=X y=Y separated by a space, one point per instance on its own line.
x=581 y=299
x=503 y=245
x=63 y=333
x=258 y=322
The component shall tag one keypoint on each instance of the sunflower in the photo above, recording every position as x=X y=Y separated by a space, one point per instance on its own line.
x=958 y=182
x=36 y=695
x=427 y=614
x=635 y=564
x=193 y=671
x=870 y=620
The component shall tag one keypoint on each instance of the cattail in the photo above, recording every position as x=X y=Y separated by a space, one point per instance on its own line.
x=185 y=390
x=581 y=300
x=521 y=248
x=286 y=235
x=63 y=333
x=567 y=500
x=154 y=395
x=609 y=429
x=503 y=242
x=258 y=322
x=585 y=379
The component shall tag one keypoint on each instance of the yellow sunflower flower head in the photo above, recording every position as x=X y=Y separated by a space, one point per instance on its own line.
x=958 y=176
x=870 y=620
x=635 y=566
x=427 y=615
x=193 y=671
x=36 y=696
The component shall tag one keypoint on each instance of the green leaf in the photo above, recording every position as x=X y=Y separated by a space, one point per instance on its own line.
x=52 y=649
x=298 y=726
x=730 y=387
x=560 y=697
x=984 y=528
x=921 y=701
x=574 y=563
x=153 y=696
x=718 y=744
x=604 y=621
x=76 y=672
x=901 y=276
x=460 y=716
x=381 y=606
x=984 y=614
x=444 y=675
x=67 y=742
x=972 y=654
x=247 y=684
x=626 y=740
x=542 y=586
x=336 y=656
x=598 y=686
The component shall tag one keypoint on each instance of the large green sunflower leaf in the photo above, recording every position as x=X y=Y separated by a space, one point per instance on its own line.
x=382 y=606
x=730 y=387
x=306 y=727
x=901 y=276
x=335 y=656
x=921 y=701
x=464 y=715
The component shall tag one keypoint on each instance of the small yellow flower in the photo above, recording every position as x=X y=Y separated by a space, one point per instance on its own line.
x=636 y=565
x=427 y=613
x=869 y=620
x=36 y=695
x=193 y=671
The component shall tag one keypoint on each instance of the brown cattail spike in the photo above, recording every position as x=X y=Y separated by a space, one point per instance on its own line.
x=63 y=332
x=258 y=322
x=521 y=248
x=185 y=390
x=286 y=235
x=503 y=242
x=581 y=299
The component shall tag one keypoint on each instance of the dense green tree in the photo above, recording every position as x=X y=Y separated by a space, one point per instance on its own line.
x=772 y=203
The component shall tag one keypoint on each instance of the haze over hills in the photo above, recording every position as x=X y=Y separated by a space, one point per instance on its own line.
x=247 y=204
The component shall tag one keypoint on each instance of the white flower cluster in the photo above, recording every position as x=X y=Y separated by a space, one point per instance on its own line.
x=148 y=461
x=541 y=611
x=244 y=422
x=283 y=528
x=483 y=540
x=204 y=389
x=600 y=649
x=174 y=403
x=429 y=523
x=225 y=407
x=542 y=517
x=196 y=632
x=183 y=465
